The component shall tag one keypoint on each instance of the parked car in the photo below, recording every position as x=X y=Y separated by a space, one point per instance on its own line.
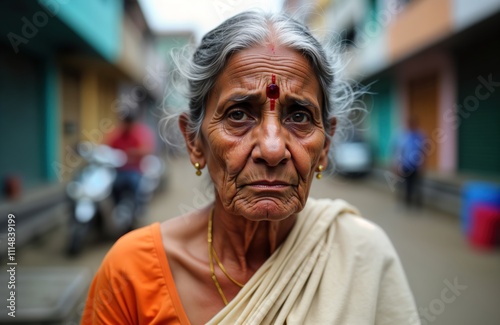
x=353 y=158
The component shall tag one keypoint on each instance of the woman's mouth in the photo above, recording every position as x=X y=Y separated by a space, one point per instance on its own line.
x=269 y=185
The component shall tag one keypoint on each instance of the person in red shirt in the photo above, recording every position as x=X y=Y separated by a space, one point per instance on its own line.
x=136 y=140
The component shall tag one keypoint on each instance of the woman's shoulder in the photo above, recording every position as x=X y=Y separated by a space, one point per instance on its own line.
x=133 y=283
x=135 y=248
x=133 y=262
x=356 y=230
x=185 y=228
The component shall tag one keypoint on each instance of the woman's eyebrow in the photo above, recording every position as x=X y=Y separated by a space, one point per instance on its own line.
x=247 y=97
x=302 y=102
x=239 y=97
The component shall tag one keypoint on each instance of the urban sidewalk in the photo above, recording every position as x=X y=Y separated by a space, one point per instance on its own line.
x=440 y=191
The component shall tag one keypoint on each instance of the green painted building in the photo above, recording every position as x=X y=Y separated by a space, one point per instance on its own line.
x=35 y=35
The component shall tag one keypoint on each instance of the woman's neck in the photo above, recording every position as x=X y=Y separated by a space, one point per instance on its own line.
x=243 y=244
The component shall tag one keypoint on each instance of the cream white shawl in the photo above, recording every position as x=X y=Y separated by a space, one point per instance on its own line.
x=334 y=268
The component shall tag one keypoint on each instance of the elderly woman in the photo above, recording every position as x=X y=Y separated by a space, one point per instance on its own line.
x=263 y=108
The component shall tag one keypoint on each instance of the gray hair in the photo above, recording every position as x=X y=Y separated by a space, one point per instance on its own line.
x=253 y=28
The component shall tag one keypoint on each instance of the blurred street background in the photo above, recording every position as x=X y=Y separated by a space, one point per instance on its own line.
x=68 y=67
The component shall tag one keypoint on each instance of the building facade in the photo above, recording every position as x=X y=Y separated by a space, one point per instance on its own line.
x=433 y=60
x=66 y=70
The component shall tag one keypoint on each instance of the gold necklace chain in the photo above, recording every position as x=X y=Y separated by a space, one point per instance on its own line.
x=211 y=255
x=224 y=269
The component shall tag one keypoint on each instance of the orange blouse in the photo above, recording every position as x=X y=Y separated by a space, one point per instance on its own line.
x=134 y=284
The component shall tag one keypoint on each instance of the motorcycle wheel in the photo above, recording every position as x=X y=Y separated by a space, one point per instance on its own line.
x=76 y=239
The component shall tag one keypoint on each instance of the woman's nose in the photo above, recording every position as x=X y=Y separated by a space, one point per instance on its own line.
x=271 y=142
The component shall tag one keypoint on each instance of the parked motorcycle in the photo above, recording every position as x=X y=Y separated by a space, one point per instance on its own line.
x=96 y=200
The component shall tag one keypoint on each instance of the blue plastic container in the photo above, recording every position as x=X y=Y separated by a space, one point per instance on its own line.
x=477 y=193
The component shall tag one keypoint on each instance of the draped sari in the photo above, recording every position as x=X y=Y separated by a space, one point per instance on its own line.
x=333 y=268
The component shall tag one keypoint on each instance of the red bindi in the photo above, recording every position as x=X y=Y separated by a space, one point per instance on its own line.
x=273 y=92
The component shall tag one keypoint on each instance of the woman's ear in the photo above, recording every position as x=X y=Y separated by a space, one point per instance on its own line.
x=323 y=160
x=193 y=143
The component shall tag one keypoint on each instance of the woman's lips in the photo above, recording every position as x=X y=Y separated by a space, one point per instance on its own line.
x=270 y=185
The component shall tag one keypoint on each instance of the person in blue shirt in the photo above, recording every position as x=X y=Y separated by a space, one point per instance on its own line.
x=410 y=158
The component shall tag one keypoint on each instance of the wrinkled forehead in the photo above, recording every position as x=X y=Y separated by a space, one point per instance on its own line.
x=264 y=61
x=253 y=69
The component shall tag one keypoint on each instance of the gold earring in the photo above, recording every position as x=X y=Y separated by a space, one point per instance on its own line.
x=320 y=169
x=198 y=169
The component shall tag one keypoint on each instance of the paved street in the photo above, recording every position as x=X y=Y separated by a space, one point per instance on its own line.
x=453 y=283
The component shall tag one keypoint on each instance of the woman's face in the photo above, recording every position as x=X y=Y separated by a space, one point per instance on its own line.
x=262 y=160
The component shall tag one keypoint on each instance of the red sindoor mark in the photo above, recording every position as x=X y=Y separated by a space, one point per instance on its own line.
x=273 y=92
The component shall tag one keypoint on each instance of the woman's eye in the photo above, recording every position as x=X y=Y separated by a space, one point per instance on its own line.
x=300 y=117
x=237 y=115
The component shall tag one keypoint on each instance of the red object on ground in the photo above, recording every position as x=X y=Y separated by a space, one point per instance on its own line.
x=12 y=187
x=485 y=226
